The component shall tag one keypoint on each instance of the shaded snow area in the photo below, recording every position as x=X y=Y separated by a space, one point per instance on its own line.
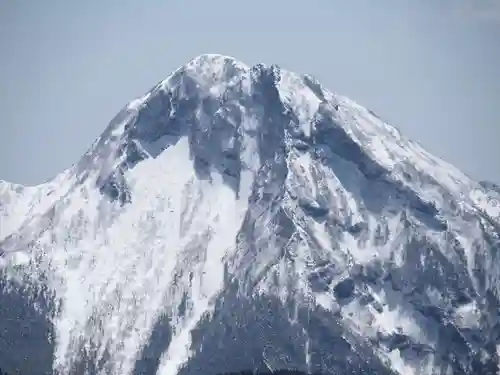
x=242 y=218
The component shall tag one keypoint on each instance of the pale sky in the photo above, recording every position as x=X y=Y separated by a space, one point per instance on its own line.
x=429 y=67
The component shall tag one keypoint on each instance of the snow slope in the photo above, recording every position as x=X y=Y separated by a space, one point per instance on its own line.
x=238 y=218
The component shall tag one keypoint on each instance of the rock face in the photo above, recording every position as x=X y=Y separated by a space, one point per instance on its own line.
x=246 y=218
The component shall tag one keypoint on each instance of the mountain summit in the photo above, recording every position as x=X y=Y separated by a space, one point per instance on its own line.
x=241 y=218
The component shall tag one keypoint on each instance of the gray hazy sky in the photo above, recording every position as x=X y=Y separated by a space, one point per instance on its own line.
x=429 y=67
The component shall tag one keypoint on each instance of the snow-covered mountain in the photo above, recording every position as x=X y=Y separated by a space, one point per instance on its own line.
x=246 y=218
